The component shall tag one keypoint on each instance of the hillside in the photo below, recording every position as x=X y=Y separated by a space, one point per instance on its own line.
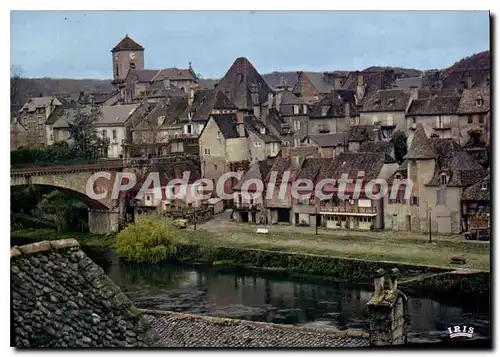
x=479 y=60
x=403 y=72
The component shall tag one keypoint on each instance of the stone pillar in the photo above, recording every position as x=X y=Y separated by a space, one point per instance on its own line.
x=102 y=221
x=388 y=311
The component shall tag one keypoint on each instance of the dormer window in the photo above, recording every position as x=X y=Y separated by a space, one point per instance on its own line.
x=484 y=186
x=262 y=130
x=324 y=110
x=444 y=179
x=479 y=101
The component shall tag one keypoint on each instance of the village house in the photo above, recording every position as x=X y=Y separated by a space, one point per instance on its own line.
x=17 y=134
x=437 y=114
x=365 y=83
x=249 y=205
x=59 y=126
x=261 y=142
x=476 y=199
x=358 y=134
x=387 y=110
x=34 y=115
x=333 y=113
x=137 y=83
x=311 y=85
x=113 y=123
x=97 y=98
x=184 y=79
x=223 y=148
x=440 y=170
x=328 y=145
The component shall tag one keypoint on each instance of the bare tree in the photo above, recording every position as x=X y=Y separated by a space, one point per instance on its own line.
x=15 y=84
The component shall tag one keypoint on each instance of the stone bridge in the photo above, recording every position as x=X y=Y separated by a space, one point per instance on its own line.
x=105 y=213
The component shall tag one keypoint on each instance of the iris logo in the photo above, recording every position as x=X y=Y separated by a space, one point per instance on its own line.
x=461 y=331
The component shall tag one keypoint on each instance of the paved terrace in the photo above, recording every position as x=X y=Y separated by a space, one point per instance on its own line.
x=185 y=330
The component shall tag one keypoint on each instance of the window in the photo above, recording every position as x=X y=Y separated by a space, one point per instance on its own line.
x=218 y=135
x=51 y=137
x=304 y=108
x=414 y=201
x=286 y=143
x=116 y=70
x=441 y=196
x=40 y=120
x=207 y=151
x=295 y=109
x=132 y=65
x=324 y=110
x=262 y=130
x=479 y=101
x=257 y=144
x=481 y=119
x=444 y=179
x=470 y=119
x=104 y=134
x=296 y=125
x=414 y=120
x=296 y=142
x=484 y=186
x=114 y=134
x=215 y=167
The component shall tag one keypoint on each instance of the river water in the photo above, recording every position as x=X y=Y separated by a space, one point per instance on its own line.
x=281 y=299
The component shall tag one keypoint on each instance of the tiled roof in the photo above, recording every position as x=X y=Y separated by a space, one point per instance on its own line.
x=237 y=83
x=39 y=102
x=183 y=330
x=175 y=74
x=227 y=125
x=329 y=140
x=434 y=106
x=361 y=133
x=164 y=114
x=477 y=193
x=389 y=100
x=127 y=44
x=408 y=82
x=205 y=101
x=475 y=101
x=67 y=117
x=143 y=75
x=288 y=98
x=420 y=147
x=432 y=92
x=372 y=80
x=377 y=146
x=95 y=97
x=301 y=151
x=276 y=121
x=61 y=298
x=459 y=79
x=318 y=81
x=258 y=170
x=311 y=167
x=333 y=104
x=115 y=114
x=280 y=165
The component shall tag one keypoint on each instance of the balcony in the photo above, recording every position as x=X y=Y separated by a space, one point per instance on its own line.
x=275 y=203
x=442 y=127
x=348 y=210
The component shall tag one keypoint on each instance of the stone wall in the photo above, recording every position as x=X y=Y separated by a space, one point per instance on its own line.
x=103 y=222
x=61 y=298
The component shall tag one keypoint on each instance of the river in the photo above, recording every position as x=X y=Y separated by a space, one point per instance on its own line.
x=280 y=299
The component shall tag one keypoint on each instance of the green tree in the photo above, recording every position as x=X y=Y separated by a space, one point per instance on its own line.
x=68 y=213
x=399 y=140
x=85 y=142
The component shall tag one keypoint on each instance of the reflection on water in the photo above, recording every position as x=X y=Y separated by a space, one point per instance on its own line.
x=262 y=297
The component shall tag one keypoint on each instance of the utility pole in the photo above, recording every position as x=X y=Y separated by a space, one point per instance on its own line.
x=316 y=210
x=430 y=228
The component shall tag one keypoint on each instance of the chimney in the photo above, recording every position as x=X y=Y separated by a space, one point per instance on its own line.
x=241 y=129
x=393 y=279
x=347 y=109
x=270 y=98
x=191 y=96
x=469 y=81
x=360 y=87
x=376 y=135
x=254 y=94
x=278 y=100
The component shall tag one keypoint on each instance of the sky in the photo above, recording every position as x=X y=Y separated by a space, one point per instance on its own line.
x=77 y=44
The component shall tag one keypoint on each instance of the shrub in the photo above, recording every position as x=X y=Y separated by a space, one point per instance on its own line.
x=150 y=239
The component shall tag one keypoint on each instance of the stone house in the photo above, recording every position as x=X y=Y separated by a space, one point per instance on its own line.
x=137 y=83
x=437 y=114
x=249 y=206
x=358 y=211
x=280 y=177
x=17 y=134
x=440 y=170
x=476 y=199
x=473 y=121
x=59 y=125
x=33 y=117
x=223 y=146
x=311 y=85
x=112 y=123
x=387 y=110
x=328 y=145
x=333 y=113
x=262 y=143
x=184 y=79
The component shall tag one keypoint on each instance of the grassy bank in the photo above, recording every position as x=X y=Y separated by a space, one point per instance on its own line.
x=85 y=239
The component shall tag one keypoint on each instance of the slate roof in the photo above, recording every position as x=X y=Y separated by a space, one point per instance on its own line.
x=332 y=105
x=184 y=330
x=61 y=298
x=175 y=74
x=434 y=106
x=288 y=98
x=372 y=80
x=95 y=97
x=311 y=167
x=237 y=82
x=433 y=92
x=258 y=170
x=127 y=44
x=361 y=133
x=68 y=117
x=39 y=102
x=166 y=113
x=388 y=100
x=317 y=79
x=408 y=83
x=420 y=147
x=143 y=75
x=458 y=78
x=276 y=121
x=468 y=102
x=329 y=140
x=115 y=114
x=351 y=163
x=280 y=165
x=254 y=125
x=377 y=146
x=227 y=125
x=205 y=101
x=302 y=151
x=172 y=170
x=476 y=192
x=452 y=159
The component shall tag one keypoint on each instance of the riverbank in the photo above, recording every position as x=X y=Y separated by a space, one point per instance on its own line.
x=85 y=239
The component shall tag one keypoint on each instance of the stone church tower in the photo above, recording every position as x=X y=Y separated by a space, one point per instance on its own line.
x=127 y=54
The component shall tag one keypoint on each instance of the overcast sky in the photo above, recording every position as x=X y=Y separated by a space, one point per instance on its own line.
x=77 y=44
